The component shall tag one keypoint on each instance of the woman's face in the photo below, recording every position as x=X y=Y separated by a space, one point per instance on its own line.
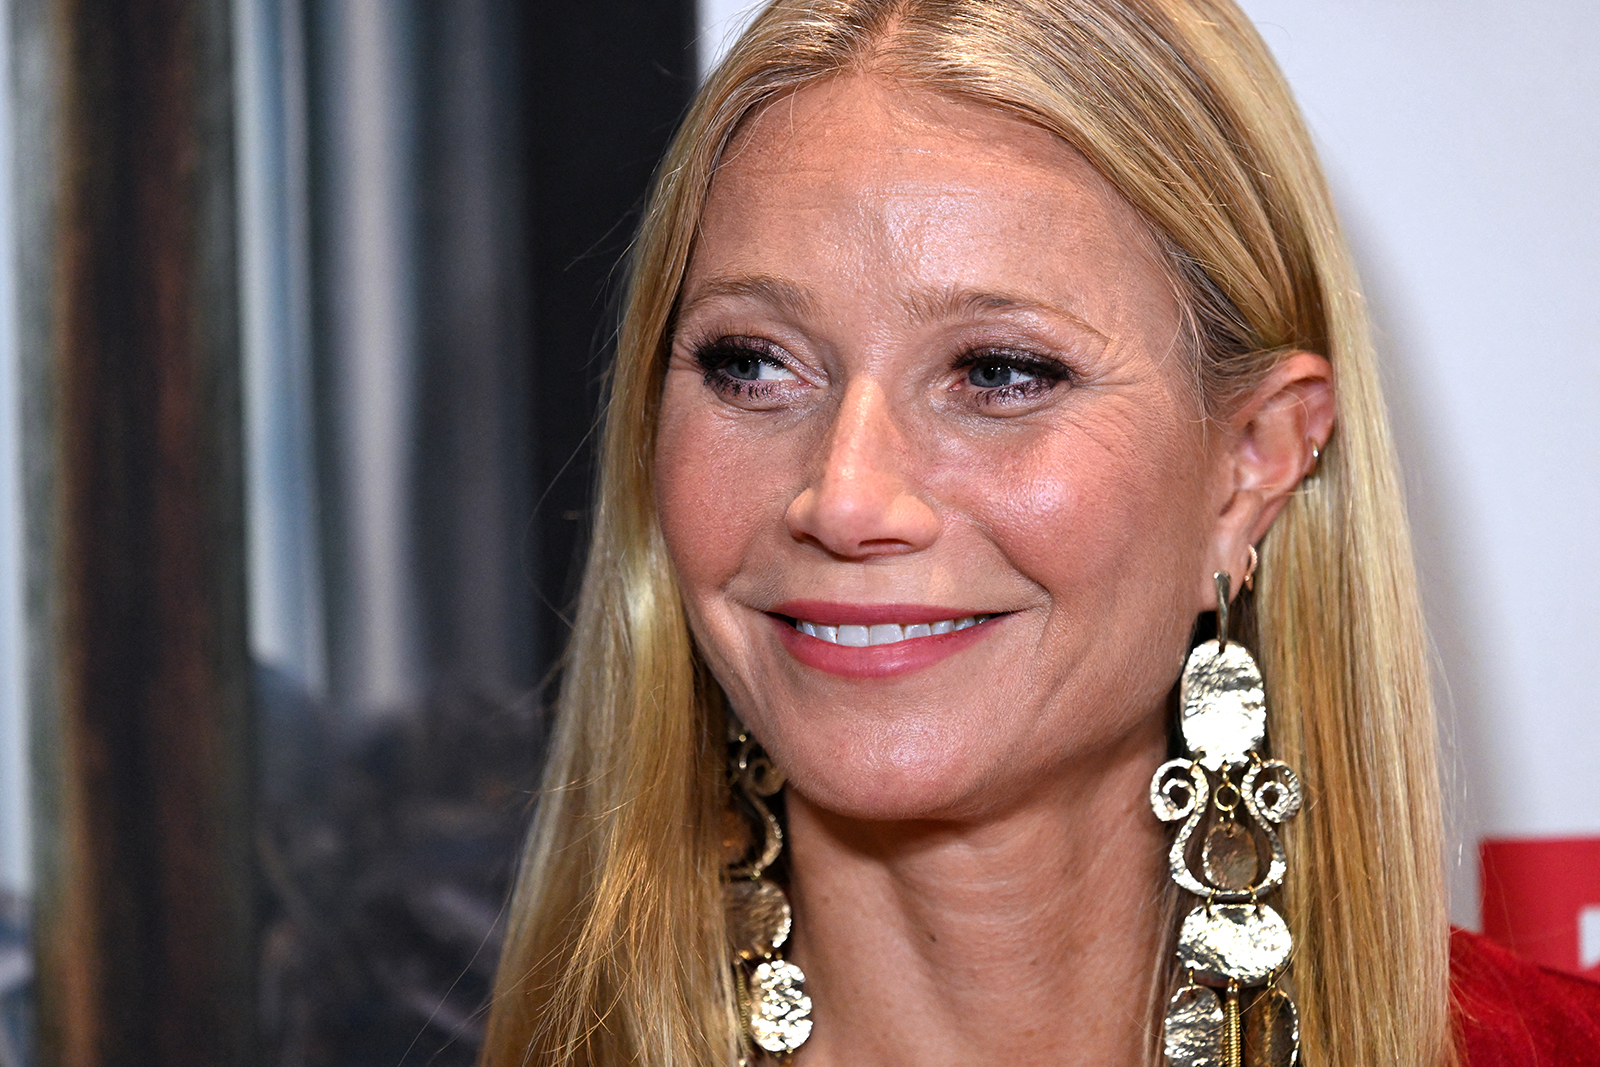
x=928 y=369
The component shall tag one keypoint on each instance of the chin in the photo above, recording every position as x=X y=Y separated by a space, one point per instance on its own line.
x=896 y=775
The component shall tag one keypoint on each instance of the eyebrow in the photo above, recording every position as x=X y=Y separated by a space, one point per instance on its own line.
x=785 y=296
x=929 y=305
x=922 y=305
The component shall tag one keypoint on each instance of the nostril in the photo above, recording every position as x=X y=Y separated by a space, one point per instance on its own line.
x=850 y=520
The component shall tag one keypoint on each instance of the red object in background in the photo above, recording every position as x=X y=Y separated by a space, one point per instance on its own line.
x=1541 y=899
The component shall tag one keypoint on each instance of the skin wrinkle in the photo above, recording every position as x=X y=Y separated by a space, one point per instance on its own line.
x=973 y=835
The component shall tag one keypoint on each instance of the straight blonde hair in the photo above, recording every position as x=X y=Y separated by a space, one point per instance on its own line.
x=615 y=950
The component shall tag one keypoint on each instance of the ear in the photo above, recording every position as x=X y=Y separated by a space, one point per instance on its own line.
x=1268 y=451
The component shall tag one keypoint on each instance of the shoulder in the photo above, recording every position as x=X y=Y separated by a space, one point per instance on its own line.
x=1513 y=1013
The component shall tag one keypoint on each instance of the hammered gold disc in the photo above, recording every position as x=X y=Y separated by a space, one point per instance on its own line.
x=1272 y=1031
x=1242 y=942
x=1229 y=856
x=780 y=1011
x=1193 y=1035
x=758 y=917
x=1224 y=705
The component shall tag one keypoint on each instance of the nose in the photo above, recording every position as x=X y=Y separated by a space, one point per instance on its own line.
x=863 y=497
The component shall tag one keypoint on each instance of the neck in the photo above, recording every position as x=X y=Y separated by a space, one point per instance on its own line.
x=1031 y=937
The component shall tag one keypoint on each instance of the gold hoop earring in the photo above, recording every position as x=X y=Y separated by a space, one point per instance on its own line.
x=774 y=1011
x=1230 y=943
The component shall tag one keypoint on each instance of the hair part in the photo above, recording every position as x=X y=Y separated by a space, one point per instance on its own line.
x=615 y=952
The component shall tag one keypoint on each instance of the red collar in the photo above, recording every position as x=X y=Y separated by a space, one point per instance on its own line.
x=1512 y=1013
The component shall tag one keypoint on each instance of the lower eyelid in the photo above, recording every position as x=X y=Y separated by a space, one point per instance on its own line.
x=1028 y=390
x=725 y=384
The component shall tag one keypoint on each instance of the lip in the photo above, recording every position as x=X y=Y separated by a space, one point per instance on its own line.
x=874 y=661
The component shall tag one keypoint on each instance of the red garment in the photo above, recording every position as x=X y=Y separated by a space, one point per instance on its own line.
x=1512 y=1013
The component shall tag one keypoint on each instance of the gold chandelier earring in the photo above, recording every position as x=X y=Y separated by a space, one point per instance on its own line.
x=1231 y=1010
x=774 y=1011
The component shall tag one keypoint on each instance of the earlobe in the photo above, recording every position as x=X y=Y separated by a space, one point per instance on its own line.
x=1277 y=437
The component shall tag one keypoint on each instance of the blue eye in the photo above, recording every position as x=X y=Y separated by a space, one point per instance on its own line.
x=1002 y=377
x=995 y=374
x=743 y=369
x=749 y=367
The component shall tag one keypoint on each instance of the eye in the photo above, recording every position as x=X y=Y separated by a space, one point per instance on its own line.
x=994 y=374
x=1000 y=378
x=744 y=369
x=752 y=367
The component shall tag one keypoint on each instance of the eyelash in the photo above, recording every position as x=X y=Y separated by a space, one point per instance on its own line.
x=1046 y=374
x=714 y=356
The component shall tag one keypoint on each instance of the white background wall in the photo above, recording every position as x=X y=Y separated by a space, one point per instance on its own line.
x=1462 y=139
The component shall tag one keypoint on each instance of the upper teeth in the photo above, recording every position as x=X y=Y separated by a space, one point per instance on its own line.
x=884 y=633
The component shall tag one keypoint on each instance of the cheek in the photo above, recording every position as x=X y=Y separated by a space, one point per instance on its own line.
x=692 y=500
x=1106 y=516
x=716 y=494
x=1084 y=494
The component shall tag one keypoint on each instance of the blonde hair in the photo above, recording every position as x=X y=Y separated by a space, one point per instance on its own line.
x=615 y=952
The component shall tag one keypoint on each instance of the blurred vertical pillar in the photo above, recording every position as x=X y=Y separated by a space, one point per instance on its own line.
x=16 y=864
x=474 y=484
x=285 y=571
x=420 y=338
x=138 y=683
x=363 y=78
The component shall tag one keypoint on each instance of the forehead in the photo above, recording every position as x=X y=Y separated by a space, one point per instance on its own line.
x=861 y=176
x=866 y=123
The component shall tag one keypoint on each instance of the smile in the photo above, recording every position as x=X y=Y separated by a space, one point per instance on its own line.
x=885 y=633
x=878 y=640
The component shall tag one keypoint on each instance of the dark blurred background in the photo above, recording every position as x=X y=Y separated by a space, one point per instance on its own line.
x=315 y=302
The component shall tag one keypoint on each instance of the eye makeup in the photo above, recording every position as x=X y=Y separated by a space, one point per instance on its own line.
x=749 y=369
x=999 y=376
x=743 y=368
